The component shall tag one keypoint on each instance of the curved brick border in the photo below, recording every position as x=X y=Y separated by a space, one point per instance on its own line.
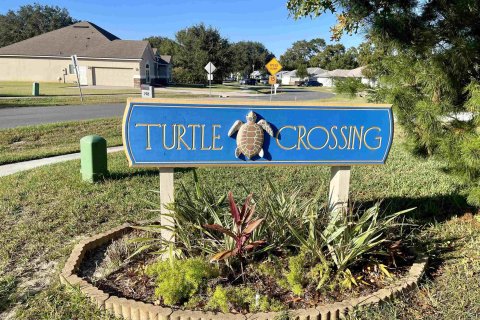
x=134 y=310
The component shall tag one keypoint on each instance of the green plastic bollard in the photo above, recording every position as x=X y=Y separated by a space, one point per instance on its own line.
x=93 y=155
x=36 y=89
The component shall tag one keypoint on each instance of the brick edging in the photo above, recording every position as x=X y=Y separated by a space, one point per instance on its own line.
x=135 y=310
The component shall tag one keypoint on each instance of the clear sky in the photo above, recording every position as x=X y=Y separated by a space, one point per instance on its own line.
x=266 y=21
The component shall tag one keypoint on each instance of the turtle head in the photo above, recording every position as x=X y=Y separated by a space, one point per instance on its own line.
x=251 y=117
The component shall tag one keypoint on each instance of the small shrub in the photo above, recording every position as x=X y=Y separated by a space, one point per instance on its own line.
x=295 y=275
x=352 y=237
x=242 y=298
x=349 y=86
x=219 y=300
x=179 y=280
x=320 y=274
x=245 y=225
x=270 y=268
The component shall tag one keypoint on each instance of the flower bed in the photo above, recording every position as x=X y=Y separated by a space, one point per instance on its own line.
x=136 y=310
x=289 y=257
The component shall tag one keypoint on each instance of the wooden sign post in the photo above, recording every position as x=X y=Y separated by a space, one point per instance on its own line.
x=171 y=133
x=339 y=188
x=166 y=197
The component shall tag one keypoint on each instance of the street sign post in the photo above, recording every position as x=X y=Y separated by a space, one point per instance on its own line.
x=210 y=69
x=273 y=66
x=75 y=65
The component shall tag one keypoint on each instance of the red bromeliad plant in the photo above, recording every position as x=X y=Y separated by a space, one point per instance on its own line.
x=244 y=227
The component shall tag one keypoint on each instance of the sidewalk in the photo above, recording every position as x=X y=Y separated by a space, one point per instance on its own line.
x=12 y=168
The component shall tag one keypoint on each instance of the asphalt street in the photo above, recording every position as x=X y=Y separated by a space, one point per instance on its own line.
x=26 y=116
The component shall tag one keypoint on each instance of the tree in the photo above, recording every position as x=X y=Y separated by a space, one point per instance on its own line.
x=164 y=45
x=301 y=52
x=335 y=57
x=248 y=55
x=302 y=71
x=197 y=46
x=429 y=70
x=32 y=20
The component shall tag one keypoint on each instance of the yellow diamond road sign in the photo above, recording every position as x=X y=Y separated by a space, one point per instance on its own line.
x=273 y=66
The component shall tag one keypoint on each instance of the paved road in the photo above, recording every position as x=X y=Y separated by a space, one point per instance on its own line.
x=26 y=116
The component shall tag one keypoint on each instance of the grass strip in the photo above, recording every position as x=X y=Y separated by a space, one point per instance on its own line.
x=35 y=142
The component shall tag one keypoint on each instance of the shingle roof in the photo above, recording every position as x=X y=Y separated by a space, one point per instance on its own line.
x=343 y=73
x=310 y=71
x=315 y=71
x=166 y=58
x=84 y=39
x=126 y=49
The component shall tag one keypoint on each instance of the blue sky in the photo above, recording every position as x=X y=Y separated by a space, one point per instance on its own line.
x=266 y=21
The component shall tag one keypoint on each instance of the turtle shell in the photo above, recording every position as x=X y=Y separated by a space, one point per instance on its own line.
x=250 y=139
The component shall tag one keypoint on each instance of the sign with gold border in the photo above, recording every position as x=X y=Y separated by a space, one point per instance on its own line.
x=194 y=133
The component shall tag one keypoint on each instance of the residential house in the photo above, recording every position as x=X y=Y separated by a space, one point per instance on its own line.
x=325 y=77
x=103 y=59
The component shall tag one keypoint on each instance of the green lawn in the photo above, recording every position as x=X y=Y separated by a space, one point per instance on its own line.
x=24 y=89
x=34 y=142
x=46 y=211
x=19 y=94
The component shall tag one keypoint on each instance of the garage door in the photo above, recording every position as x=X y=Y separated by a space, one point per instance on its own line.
x=113 y=77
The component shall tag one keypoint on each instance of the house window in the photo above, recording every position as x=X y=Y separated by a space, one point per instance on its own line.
x=147 y=73
x=71 y=69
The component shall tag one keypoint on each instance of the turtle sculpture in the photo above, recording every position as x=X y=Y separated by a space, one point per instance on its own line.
x=250 y=136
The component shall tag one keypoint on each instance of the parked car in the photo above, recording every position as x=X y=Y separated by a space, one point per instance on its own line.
x=263 y=81
x=311 y=83
x=248 y=82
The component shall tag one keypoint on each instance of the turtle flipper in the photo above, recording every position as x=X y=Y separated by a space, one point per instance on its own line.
x=237 y=152
x=261 y=153
x=236 y=126
x=264 y=124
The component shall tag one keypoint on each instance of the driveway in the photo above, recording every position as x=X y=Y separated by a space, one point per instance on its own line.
x=27 y=116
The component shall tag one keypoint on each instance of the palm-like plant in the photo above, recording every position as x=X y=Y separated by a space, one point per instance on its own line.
x=350 y=237
x=244 y=226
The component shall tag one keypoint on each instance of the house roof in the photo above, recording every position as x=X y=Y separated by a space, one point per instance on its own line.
x=166 y=58
x=126 y=49
x=84 y=39
x=315 y=71
x=310 y=71
x=343 y=73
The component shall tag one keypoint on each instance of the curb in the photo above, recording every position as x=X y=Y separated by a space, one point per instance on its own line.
x=130 y=309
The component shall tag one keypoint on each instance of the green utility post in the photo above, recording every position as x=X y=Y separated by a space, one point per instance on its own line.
x=35 y=89
x=93 y=155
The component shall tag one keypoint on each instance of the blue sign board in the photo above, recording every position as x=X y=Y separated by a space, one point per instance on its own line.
x=169 y=133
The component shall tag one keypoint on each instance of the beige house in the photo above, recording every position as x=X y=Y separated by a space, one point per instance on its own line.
x=103 y=59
